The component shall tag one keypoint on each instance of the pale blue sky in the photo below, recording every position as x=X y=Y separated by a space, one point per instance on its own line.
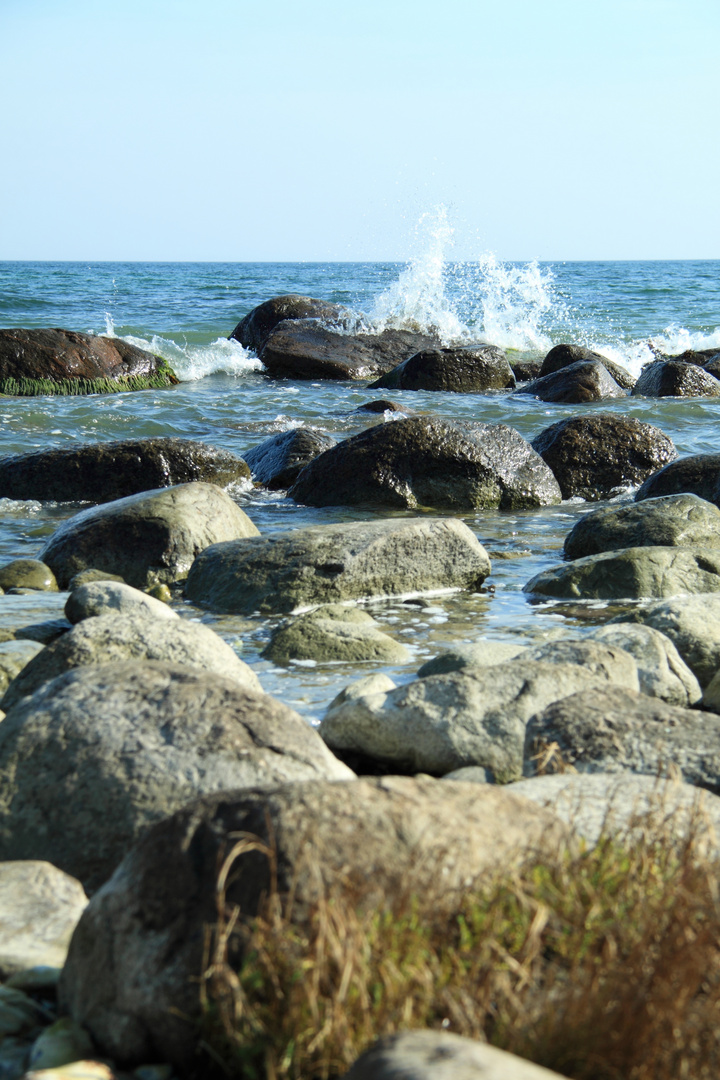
x=170 y=129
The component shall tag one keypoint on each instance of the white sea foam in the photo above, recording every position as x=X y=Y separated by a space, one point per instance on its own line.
x=193 y=362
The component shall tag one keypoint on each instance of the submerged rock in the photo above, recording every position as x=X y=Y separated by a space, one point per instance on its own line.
x=668 y=521
x=333 y=633
x=563 y=356
x=586 y=380
x=631 y=574
x=253 y=330
x=468 y=369
x=672 y=378
x=276 y=462
x=698 y=474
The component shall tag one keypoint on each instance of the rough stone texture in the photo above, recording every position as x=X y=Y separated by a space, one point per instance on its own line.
x=14 y=655
x=693 y=625
x=667 y=521
x=423 y=461
x=101 y=472
x=131 y=973
x=253 y=330
x=27 y=574
x=471 y=369
x=304 y=349
x=525 y=370
x=574 y=385
x=330 y=563
x=476 y=716
x=631 y=574
x=698 y=474
x=39 y=909
x=470 y=654
x=615 y=730
x=440 y=1055
x=711 y=697
x=147 y=538
x=383 y=406
x=601 y=659
x=661 y=670
x=95 y=756
x=562 y=356
x=332 y=633
x=594 y=456
x=115 y=638
x=106 y=597
x=276 y=462
x=672 y=378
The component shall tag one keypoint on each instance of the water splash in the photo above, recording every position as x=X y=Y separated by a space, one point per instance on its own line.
x=193 y=362
x=109 y=325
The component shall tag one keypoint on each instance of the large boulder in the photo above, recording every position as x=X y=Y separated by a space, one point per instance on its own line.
x=586 y=380
x=39 y=909
x=101 y=472
x=276 y=462
x=326 y=564
x=693 y=625
x=468 y=369
x=304 y=349
x=334 y=633
x=632 y=574
x=98 y=754
x=424 y=461
x=132 y=976
x=672 y=378
x=593 y=456
x=661 y=670
x=148 y=538
x=115 y=638
x=562 y=356
x=668 y=521
x=698 y=474
x=253 y=330
x=65 y=362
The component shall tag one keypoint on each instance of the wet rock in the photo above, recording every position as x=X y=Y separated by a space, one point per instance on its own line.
x=327 y=564
x=27 y=574
x=253 y=330
x=563 y=356
x=383 y=406
x=276 y=462
x=106 y=597
x=14 y=655
x=672 y=378
x=470 y=369
x=147 y=538
x=333 y=633
x=594 y=456
x=668 y=521
x=120 y=746
x=574 y=385
x=693 y=625
x=39 y=909
x=131 y=974
x=102 y=472
x=427 y=462
x=525 y=370
x=698 y=474
x=63 y=361
x=470 y=654
x=661 y=670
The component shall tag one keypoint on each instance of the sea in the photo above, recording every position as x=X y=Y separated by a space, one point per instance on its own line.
x=186 y=312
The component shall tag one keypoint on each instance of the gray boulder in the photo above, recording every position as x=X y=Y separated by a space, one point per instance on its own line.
x=601 y=659
x=563 y=356
x=106 y=597
x=277 y=461
x=632 y=573
x=332 y=633
x=326 y=564
x=148 y=538
x=661 y=670
x=668 y=521
x=469 y=369
x=673 y=378
x=693 y=625
x=39 y=908
x=113 y=638
x=580 y=382
x=470 y=654
x=253 y=330
x=423 y=461
x=698 y=474
x=98 y=754
x=14 y=655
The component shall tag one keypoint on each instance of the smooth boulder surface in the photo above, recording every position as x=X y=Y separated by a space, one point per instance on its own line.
x=334 y=633
x=693 y=625
x=616 y=730
x=276 y=462
x=39 y=908
x=326 y=564
x=115 y=638
x=105 y=597
x=14 y=655
x=469 y=369
x=470 y=654
x=632 y=574
x=661 y=670
x=594 y=456
x=304 y=349
x=672 y=378
x=562 y=356
x=698 y=474
x=98 y=754
x=667 y=521
x=148 y=538
x=131 y=976
x=586 y=380
x=27 y=574
x=101 y=472
x=253 y=330
x=425 y=462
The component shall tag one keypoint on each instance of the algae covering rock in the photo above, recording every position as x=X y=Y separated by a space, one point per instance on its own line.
x=580 y=382
x=425 y=462
x=276 y=462
x=131 y=977
x=101 y=472
x=27 y=574
x=65 y=362
x=470 y=369
x=699 y=474
x=562 y=356
x=253 y=330
x=148 y=538
x=333 y=633
x=661 y=670
x=693 y=625
x=668 y=521
x=98 y=754
x=39 y=909
x=329 y=563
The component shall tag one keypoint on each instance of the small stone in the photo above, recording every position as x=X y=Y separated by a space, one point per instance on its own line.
x=160 y=592
x=86 y=576
x=331 y=633
x=60 y=1044
x=77 y=1070
x=27 y=574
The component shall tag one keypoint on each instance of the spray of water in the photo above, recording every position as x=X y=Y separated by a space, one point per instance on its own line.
x=193 y=362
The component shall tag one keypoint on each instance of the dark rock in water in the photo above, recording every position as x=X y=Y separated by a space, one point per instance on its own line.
x=525 y=370
x=587 y=380
x=422 y=461
x=669 y=521
x=713 y=367
x=470 y=369
x=691 y=356
x=101 y=472
x=673 y=378
x=253 y=330
x=276 y=462
x=303 y=349
x=698 y=474
x=383 y=406
x=562 y=356
x=592 y=456
x=65 y=362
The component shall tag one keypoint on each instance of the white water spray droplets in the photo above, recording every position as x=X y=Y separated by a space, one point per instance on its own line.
x=193 y=362
x=514 y=301
x=109 y=325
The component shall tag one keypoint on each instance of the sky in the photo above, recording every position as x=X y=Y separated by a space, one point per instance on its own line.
x=231 y=130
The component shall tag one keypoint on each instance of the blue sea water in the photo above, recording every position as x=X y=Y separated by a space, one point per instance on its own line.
x=185 y=311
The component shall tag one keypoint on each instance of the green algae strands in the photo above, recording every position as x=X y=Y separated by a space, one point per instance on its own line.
x=162 y=378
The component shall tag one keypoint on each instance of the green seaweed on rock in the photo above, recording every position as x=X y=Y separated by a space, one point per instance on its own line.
x=163 y=377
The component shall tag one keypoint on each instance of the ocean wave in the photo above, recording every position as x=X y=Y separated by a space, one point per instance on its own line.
x=193 y=362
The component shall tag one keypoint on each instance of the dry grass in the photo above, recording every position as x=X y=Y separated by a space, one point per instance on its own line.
x=603 y=965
